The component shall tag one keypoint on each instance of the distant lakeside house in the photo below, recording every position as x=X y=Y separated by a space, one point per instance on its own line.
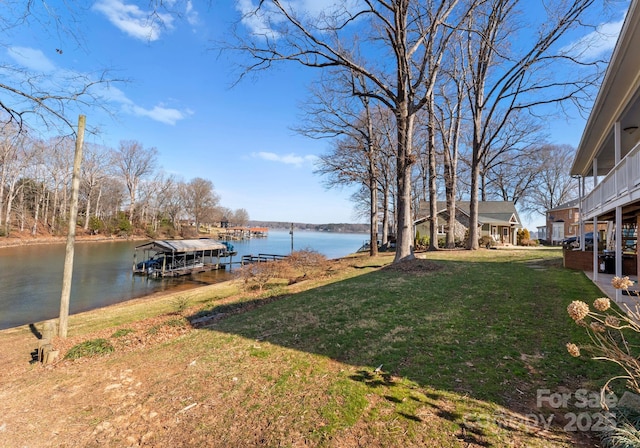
x=496 y=219
x=608 y=156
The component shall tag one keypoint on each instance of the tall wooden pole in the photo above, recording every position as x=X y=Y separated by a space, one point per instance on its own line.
x=71 y=236
x=291 y=233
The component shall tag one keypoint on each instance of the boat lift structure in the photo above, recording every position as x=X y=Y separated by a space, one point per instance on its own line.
x=173 y=258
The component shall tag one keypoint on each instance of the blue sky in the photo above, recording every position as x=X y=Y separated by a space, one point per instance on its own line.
x=179 y=99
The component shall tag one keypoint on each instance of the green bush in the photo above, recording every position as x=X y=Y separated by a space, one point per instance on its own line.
x=420 y=242
x=93 y=347
x=180 y=304
x=95 y=225
x=124 y=226
x=486 y=241
x=122 y=332
x=523 y=237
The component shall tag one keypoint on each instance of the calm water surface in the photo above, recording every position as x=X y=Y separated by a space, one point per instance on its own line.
x=31 y=276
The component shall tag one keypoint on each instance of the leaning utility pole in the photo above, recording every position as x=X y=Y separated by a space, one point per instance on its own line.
x=71 y=236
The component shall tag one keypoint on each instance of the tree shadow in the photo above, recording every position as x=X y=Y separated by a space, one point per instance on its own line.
x=455 y=341
x=35 y=331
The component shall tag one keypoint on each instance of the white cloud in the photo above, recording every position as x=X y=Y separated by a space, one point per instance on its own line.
x=261 y=21
x=596 y=43
x=161 y=114
x=158 y=113
x=139 y=24
x=288 y=159
x=258 y=21
x=31 y=59
x=191 y=14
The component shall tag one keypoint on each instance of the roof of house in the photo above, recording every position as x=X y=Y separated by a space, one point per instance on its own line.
x=489 y=212
x=183 y=245
x=618 y=100
x=567 y=205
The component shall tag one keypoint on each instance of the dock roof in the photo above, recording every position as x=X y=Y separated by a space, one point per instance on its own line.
x=183 y=245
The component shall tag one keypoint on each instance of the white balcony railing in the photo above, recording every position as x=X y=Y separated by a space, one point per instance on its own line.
x=618 y=188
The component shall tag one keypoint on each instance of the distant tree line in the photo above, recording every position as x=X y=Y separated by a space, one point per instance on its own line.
x=327 y=227
x=123 y=190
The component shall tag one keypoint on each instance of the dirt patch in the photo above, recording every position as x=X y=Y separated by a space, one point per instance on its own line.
x=416 y=266
x=133 y=336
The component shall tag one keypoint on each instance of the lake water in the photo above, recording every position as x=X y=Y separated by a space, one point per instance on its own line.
x=31 y=276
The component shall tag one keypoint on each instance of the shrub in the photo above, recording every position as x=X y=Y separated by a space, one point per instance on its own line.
x=614 y=337
x=122 y=332
x=95 y=225
x=124 y=226
x=420 y=242
x=486 y=241
x=308 y=262
x=180 y=304
x=523 y=237
x=257 y=275
x=93 y=347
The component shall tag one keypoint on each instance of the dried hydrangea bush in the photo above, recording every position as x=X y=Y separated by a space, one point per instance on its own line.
x=609 y=330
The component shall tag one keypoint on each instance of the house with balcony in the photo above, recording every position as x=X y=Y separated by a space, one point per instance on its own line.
x=608 y=157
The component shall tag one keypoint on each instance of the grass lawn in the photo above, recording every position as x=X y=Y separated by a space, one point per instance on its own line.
x=470 y=348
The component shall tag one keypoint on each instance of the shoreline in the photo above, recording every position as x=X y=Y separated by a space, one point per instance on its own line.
x=13 y=241
x=156 y=299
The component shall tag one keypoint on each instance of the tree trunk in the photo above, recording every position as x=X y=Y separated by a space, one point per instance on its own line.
x=10 y=197
x=97 y=212
x=450 y=193
x=433 y=188
x=473 y=244
x=404 y=231
x=36 y=215
x=3 y=178
x=385 y=218
x=373 y=231
x=87 y=211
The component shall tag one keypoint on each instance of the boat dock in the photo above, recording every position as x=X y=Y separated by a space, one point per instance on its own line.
x=242 y=233
x=261 y=258
x=173 y=258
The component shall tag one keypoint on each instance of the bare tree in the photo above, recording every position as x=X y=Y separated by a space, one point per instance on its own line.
x=448 y=115
x=241 y=217
x=504 y=79
x=93 y=173
x=44 y=96
x=17 y=155
x=9 y=144
x=554 y=185
x=336 y=113
x=133 y=163
x=394 y=32
x=200 y=200
x=174 y=206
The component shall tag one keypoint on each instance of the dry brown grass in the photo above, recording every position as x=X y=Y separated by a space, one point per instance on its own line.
x=292 y=369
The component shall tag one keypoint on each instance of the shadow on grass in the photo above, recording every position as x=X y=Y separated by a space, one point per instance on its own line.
x=488 y=331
